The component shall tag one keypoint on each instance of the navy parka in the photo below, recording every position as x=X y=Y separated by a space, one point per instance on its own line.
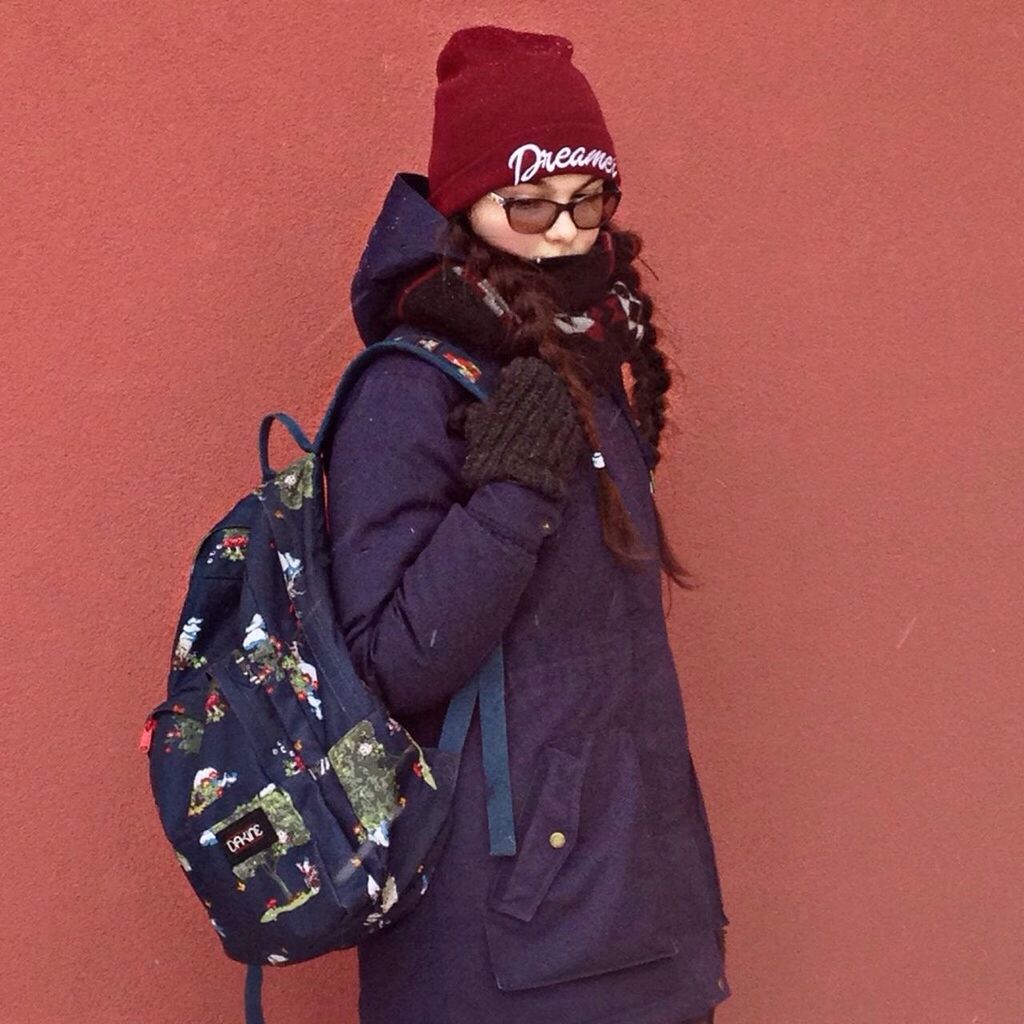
x=607 y=913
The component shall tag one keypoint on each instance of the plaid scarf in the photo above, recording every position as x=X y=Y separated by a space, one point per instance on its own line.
x=601 y=322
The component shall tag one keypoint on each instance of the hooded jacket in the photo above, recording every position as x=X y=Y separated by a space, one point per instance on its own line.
x=608 y=911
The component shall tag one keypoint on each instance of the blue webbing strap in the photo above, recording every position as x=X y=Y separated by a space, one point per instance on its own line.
x=253 y=1001
x=494 y=737
x=488 y=684
x=293 y=428
x=456 y=719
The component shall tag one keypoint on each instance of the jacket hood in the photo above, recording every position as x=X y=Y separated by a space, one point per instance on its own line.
x=405 y=235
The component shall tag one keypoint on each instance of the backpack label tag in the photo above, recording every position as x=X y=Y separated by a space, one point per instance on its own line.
x=251 y=834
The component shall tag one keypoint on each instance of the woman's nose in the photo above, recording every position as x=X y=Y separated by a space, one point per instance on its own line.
x=564 y=229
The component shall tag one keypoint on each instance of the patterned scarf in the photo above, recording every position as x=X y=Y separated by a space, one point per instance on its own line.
x=601 y=321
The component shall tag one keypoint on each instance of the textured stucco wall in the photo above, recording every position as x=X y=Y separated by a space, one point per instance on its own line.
x=831 y=199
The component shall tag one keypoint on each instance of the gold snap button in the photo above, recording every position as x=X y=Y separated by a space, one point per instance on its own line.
x=557 y=839
x=546 y=525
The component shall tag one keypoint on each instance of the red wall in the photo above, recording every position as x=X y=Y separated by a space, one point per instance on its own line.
x=831 y=198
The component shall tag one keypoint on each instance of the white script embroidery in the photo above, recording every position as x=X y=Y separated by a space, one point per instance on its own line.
x=544 y=159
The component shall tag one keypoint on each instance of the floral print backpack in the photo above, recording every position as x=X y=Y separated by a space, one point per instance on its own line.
x=302 y=814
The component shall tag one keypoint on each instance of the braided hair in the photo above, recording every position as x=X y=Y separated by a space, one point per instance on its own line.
x=533 y=298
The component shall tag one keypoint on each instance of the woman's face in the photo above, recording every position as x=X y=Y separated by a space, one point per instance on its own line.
x=563 y=238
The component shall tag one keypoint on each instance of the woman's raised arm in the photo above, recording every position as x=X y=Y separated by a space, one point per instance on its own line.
x=426 y=574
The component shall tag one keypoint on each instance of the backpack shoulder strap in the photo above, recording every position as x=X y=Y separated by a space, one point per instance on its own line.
x=434 y=348
x=487 y=687
x=445 y=355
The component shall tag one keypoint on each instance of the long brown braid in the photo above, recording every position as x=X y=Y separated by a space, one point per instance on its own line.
x=531 y=296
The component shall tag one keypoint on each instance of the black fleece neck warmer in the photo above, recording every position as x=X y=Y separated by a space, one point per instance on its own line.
x=601 y=319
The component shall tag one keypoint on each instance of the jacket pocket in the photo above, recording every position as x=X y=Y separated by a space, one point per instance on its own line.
x=583 y=894
x=552 y=824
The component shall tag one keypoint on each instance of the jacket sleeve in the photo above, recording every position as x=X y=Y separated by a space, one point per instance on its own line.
x=426 y=574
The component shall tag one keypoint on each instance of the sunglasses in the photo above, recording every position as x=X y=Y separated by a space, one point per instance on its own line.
x=532 y=216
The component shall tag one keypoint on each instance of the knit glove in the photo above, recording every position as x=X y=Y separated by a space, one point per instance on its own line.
x=527 y=430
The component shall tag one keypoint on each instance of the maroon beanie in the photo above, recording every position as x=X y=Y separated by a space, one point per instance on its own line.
x=510 y=107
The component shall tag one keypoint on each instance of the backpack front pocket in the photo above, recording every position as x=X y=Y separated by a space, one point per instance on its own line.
x=244 y=826
x=583 y=894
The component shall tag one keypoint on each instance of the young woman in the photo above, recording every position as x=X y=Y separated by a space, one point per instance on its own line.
x=528 y=519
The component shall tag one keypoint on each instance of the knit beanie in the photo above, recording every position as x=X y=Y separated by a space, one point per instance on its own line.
x=511 y=107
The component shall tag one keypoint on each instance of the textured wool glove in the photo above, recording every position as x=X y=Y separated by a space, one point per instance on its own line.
x=527 y=430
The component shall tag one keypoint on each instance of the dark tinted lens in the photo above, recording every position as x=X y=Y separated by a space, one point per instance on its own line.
x=589 y=213
x=531 y=215
x=610 y=203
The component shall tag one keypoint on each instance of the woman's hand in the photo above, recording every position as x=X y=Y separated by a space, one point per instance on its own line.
x=527 y=430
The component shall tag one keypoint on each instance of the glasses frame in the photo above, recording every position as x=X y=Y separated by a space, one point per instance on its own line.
x=507 y=202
